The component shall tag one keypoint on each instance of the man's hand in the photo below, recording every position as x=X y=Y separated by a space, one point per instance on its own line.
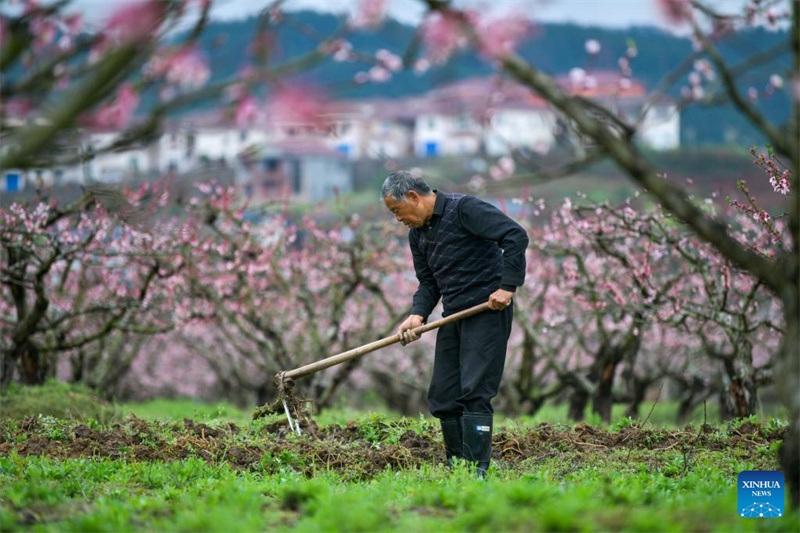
x=406 y=329
x=500 y=299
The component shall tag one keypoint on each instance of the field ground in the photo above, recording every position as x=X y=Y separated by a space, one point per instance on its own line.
x=181 y=466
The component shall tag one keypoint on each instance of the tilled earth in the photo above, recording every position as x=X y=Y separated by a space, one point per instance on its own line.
x=356 y=451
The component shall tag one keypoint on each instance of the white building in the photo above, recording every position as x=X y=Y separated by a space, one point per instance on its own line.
x=116 y=166
x=371 y=129
x=494 y=117
x=489 y=117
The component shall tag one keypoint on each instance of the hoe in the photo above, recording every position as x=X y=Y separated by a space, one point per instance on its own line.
x=289 y=403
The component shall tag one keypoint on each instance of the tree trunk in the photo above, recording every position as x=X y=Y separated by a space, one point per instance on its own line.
x=787 y=381
x=740 y=398
x=603 y=399
x=577 y=403
x=8 y=368
x=604 y=369
x=694 y=394
x=638 y=389
x=740 y=395
x=32 y=364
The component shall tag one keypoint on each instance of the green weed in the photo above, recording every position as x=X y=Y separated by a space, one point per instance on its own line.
x=374 y=472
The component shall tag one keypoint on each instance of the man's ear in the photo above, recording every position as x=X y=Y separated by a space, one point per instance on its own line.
x=412 y=196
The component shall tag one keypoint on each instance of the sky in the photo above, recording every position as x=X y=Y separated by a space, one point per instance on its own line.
x=604 y=13
x=607 y=13
x=610 y=13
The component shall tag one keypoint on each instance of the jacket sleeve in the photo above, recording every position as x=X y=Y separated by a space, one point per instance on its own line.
x=428 y=294
x=485 y=220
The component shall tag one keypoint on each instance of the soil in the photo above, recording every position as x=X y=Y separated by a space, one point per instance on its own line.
x=346 y=450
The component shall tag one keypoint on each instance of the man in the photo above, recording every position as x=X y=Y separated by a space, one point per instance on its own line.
x=465 y=252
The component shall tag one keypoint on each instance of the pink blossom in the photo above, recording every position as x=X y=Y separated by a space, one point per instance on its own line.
x=73 y=24
x=675 y=12
x=185 y=68
x=136 y=20
x=297 y=104
x=235 y=91
x=44 y=32
x=389 y=60
x=500 y=37
x=379 y=74
x=442 y=35
x=370 y=13
x=780 y=184
x=339 y=49
x=246 y=111
x=117 y=114
x=421 y=66
x=592 y=46
x=772 y=16
x=476 y=182
x=577 y=76
x=275 y=14
x=506 y=164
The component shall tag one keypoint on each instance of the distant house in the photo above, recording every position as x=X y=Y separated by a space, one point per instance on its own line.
x=54 y=168
x=117 y=166
x=447 y=122
x=207 y=140
x=299 y=169
x=13 y=180
x=376 y=128
x=656 y=118
x=487 y=116
x=496 y=117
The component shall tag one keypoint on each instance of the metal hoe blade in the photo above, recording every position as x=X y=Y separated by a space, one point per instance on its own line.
x=295 y=427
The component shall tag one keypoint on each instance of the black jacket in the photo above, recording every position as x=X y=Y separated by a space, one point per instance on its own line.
x=468 y=250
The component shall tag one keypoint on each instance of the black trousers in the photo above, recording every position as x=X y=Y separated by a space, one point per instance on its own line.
x=468 y=364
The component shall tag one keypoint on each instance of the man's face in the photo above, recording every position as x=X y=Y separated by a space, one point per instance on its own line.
x=410 y=212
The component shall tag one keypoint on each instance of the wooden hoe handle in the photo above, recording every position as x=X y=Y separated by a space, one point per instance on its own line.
x=312 y=368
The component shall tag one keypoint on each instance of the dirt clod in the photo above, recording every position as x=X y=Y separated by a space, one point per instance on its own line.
x=345 y=449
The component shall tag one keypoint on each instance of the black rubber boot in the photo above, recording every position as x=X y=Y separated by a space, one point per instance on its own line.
x=477 y=447
x=453 y=441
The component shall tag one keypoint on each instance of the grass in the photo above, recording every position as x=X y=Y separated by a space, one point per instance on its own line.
x=221 y=471
x=56 y=399
x=164 y=409
x=44 y=494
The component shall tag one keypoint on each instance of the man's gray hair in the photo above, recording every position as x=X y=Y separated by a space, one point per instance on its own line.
x=399 y=183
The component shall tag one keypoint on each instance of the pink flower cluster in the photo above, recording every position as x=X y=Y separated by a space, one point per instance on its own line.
x=184 y=67
x=446 y=31
x=135 y=21
x=368 y=14
x=300 y=104
x=117 y=113
x=778 y=177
